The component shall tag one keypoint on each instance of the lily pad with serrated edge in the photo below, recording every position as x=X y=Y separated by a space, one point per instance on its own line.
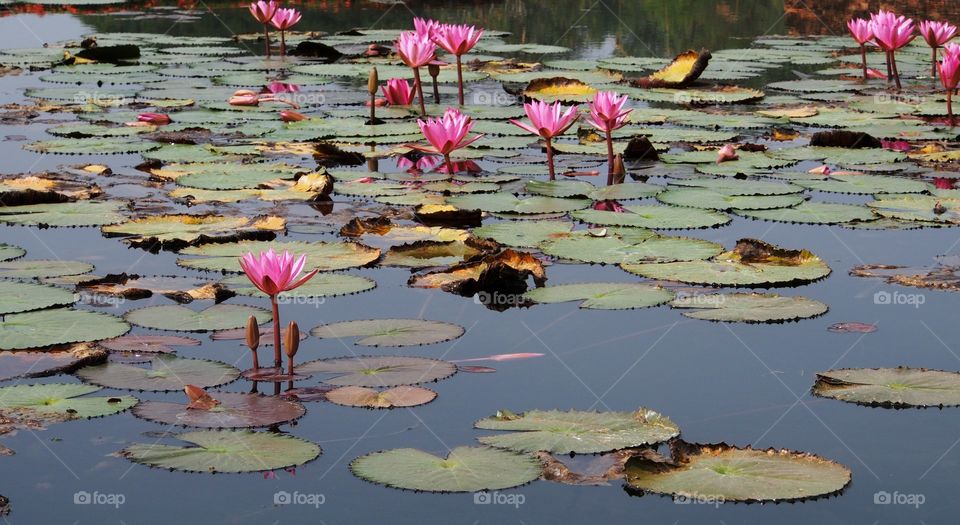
x=816 y=86
x=226 y=451
x=236 y=410
x=712 y=200
x=22 y=297
x=603 y=296
x=577 y=431
x=866 y=184
x=915 y=208
x=724 y=473
x=42 y=268
x=465 y=469
x=57 y=326
x=559 y=188
x=400 y=396
x=320 y=285
x=177 y=231
x=64 y=214
x=390 y=332
x=613 y=249
x=182 y=319
x=524 y=234
x=9 y=252
x=325 y=256
x=50 y=361
x=60 y=401
x=92 y=146
x=507 y=203
x=840 y=156
x=166 y=373
x=813 y=213
x=890 y=387
x=625 y=191
x=379 y=371
x=142 y=343
x=728 y=186
x=749 y=307
x=654 y=217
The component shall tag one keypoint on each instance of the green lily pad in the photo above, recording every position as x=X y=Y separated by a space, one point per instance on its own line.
x=57 y=326
x=183 y=319
x=8 y=252
x=235 y=410
x=749 y=307
x=524 y=234
x=603 y=296
x=729 y=186
x=577 y=431
x=890 y=387
x=320 y=255
x=559 y=188
x=465 y=469
x=654 y=217
x=41 y=268
x=390 y=332
x=722 y=473
x=709 y=199
x=22 y=297
x=917 y=208
x=229 y=451
x=80 y=213
x=379 y=371
x=866 y=184
x=320 y=285
x=813 y=213
x=92 y=146
x=617 y=249
x=507 y=203
x=166 y=373
x=59 y=401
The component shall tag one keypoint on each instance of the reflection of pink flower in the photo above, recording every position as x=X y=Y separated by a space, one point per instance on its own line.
x=727 y=153
x=276 y=87
x=943 y=183
x=609 y=205
x=895 y=145
x=467 y=166
x=423 y=164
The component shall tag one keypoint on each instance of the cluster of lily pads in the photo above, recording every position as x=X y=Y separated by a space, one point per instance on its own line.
x=214 y=181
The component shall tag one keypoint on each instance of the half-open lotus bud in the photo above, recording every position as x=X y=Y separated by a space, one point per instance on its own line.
x=434 y=70
x=253 y=334
x=292 y=339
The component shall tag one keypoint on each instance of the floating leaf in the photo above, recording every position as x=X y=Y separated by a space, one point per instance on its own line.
x=619 y=249
x=603 y=296
x=724 y=473
x=21 y=297
x=183 y=319
x=465 y=469
x=166 y=373
x=51 y=361
x=654 y=217
x=57 y=326
x=177 y=231
x=59 y=401
x=320 y=255
x=320 y=285
x=524 y=234
x=234 y=410
x=890 y=387
x=401 y=396
x=507 y=203
x=577 y=431
x=749 y=307
x=379 y=371
x=709 y=199
x=225 y=451
x=9 y=252
x=390 y=332
x=813 y=213
x=80 y=213
x=38 y=269
x=140 y=343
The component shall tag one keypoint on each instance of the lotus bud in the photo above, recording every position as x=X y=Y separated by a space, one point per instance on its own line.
x=434 y=70
x=253 y=334
x=292 y=341
x=291 y=116
x=373 y=82
x=619 y=171
x=727 y=153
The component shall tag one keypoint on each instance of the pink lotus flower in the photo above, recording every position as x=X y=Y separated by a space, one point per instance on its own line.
x=861 y=31
x=458 y=40
x=398 y=92
x=950 y=75
x=548 y=121
x=273 y=274
x=426 y=27
x=446 y=134
x=276 y=87
x=727 y=153
x=416 y=50
x=420 y=165
x=284 y=19
x=936 y=34
x=607 y=115
x=156 y=119
x=891 y=32
x=264 y=11
x=876 y=73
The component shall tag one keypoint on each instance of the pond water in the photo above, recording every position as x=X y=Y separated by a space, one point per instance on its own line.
x=743 y=384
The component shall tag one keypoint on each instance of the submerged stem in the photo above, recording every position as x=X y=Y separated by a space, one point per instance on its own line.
x=277 y=361
x=609 y=157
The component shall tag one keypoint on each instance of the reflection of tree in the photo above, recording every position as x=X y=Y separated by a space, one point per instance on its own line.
x=824 y=17
x=636 y=27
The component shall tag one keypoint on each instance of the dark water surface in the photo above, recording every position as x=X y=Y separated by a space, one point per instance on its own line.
x=742 y=384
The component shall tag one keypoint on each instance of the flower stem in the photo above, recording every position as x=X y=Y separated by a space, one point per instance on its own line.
x=896 y=74
x=277 y=361
x=889 y=69
x=283 y=43
x=550 y=159
x=266 y=38
x=863 y=60
x=609 y=157
x=933 y=68
x=419 y=86
x=460 y=79
x=446 y=159
x=950 y=107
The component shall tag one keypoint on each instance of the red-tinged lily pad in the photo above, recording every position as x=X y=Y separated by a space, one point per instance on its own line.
x=166 y=373
x=852 y=327
x=147 y=344
x=400 y=396
x=234 y=410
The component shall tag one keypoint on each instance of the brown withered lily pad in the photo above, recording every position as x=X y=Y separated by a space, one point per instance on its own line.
x=234 y=410
x=179 y=289
x=400 y=396
x=44 y=188
x=559 y=88
x=944 y=274
x=721 y=473
x=685 y=69
x=852 y=327
x=57 y=360
x=597 y=470
x=890 y=387
x=173 y=232
x=506 y=272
